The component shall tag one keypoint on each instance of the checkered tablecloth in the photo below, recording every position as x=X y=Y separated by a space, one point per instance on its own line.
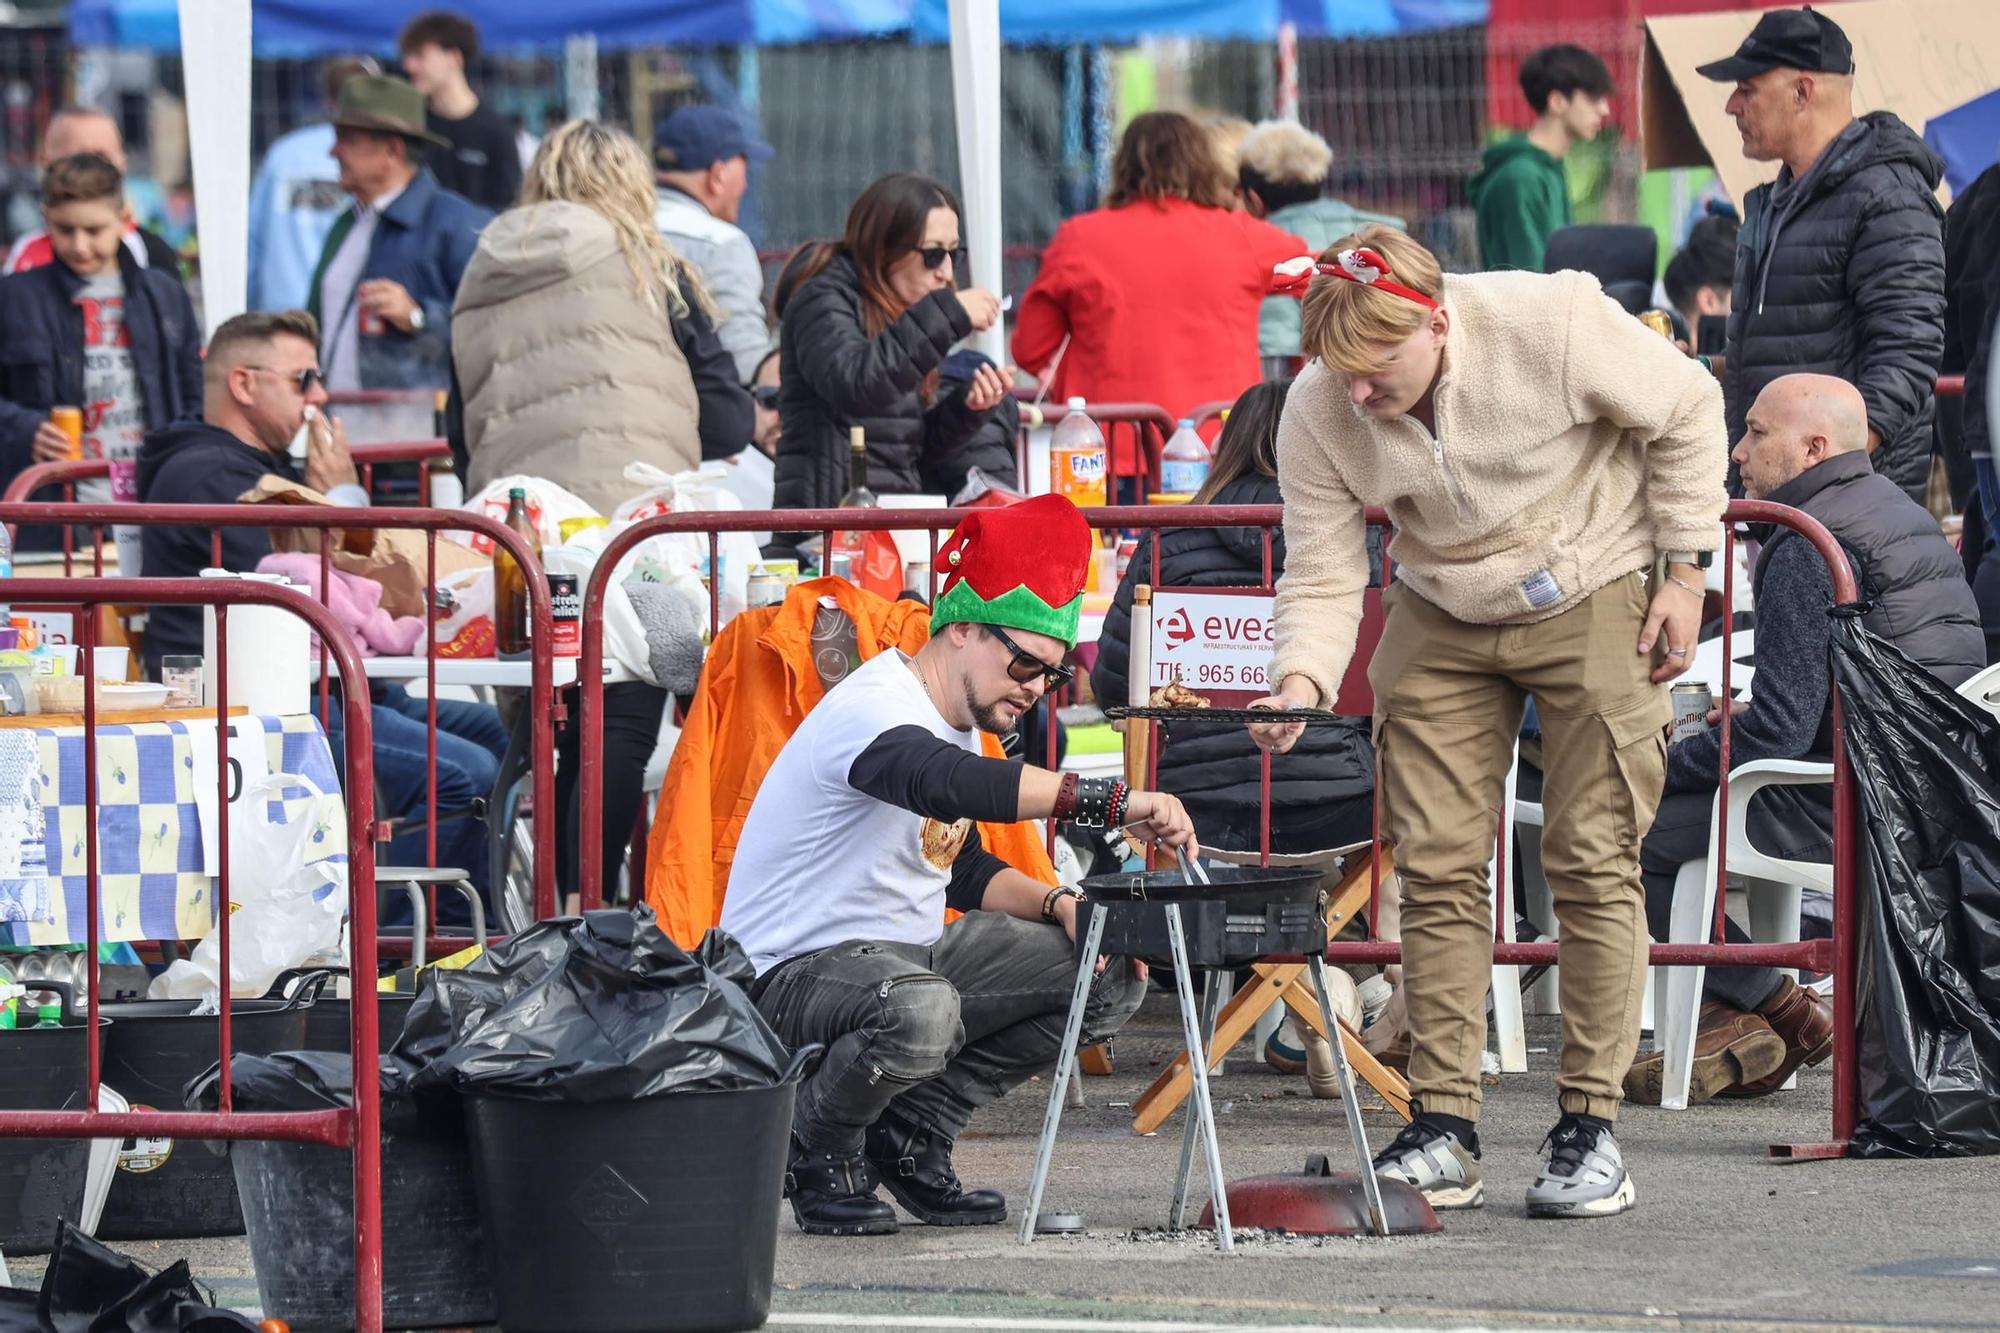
x=149 y=845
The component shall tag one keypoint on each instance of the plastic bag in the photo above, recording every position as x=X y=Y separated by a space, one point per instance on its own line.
x=1924 y=763
x=672 y=557
x=598 y=1008
x=323 y=1081
x=89 y=1285
x=464 y=626
x=548 y=505
x=287 y=890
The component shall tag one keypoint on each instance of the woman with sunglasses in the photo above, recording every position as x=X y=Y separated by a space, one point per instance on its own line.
x=1154 y=297
x=580 y=341
x=865 y=342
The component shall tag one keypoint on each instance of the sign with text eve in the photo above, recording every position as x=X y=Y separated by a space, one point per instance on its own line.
x=1217 y=640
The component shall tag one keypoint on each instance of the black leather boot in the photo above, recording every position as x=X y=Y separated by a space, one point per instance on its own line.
x=833 y=1194
x=916 y=1166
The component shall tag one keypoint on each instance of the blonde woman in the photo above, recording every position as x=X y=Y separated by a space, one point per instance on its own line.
x=580 y=343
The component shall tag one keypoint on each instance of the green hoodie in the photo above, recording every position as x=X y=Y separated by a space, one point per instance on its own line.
x=1521 y=196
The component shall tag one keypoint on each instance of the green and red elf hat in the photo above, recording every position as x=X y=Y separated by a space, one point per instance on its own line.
x=1021 y=566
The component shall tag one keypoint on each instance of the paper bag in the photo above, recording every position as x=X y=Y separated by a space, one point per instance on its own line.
x=394 y=558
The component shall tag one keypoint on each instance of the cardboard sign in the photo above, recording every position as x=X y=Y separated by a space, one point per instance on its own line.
x=1917 y=58
x=1216 y=642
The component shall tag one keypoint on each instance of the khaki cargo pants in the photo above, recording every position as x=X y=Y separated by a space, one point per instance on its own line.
x=1448 y=704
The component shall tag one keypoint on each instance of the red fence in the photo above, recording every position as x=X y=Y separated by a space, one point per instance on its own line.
x=1835 y=955
x=66 y=472
x=431 y=522
x=358 y=1128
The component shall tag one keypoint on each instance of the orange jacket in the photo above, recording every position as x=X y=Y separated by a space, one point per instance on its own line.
x=756 y=687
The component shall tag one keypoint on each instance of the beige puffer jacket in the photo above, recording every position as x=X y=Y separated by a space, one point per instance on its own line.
x=565 y=373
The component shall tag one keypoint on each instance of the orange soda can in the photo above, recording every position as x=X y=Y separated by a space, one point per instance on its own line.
x=69 y=420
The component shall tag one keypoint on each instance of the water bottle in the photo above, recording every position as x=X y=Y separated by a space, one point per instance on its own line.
x=1076 y=458
x=1184 y=462
x=6 y=567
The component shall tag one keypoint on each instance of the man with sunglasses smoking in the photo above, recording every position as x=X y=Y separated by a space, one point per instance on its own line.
x=860 y=837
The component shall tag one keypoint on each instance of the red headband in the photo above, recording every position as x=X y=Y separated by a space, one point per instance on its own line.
x=1363 y=265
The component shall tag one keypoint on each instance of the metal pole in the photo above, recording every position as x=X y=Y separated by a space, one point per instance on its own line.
x=1086 y=965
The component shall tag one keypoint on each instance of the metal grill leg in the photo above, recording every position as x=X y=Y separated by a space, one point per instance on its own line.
x=1199 y=1104
x=1086 y=967
x=1350 y=1105
x=1211 y=1002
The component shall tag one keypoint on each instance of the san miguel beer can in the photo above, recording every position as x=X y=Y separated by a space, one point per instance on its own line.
x=1691 y=700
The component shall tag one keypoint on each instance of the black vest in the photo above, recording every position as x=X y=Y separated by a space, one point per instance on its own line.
x=1907 y=571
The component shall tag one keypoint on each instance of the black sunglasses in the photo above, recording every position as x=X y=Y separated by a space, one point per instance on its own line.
x=935 y=255
x=1026 y=666
x=765 y=396
x=306 y=379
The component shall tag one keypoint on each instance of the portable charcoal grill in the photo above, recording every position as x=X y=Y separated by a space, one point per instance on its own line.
x=1187 y=922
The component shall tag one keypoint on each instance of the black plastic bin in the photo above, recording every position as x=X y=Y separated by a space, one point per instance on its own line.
x=298 y=1204
x=329 y=1022
x=651 y=1216
x=41 y=1180
x=153 y=1048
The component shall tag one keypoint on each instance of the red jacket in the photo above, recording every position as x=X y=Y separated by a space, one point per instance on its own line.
x=1161 y=303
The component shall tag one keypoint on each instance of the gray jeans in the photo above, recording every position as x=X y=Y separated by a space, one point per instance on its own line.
x=934 y=1033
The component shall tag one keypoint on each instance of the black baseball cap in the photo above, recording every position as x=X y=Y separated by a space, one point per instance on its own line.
x=695 y=136
x=1800 y=39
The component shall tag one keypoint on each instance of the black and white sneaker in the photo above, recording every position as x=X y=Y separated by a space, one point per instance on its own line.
x=1432 y=1160
x=1585 y=1175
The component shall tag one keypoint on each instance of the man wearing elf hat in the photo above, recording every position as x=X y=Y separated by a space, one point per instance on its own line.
x=860 y=837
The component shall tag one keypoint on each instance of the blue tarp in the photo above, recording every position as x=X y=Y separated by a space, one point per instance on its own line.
x=1967 y=137
x=316 y=27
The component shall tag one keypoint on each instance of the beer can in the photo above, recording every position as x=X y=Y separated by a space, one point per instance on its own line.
x=917 y=578
x=565 y=616
x=1659 y=321
x=373 y=324
x=69 y=420
x=1126 y=547
x=1691 y=702
x=765 y=588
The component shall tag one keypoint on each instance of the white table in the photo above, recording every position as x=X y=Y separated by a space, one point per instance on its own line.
x=488 y=672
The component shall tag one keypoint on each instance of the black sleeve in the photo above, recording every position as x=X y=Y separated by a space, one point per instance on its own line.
x=1793 y=675
x=857 y=375
x=1114 y=646
x=909 y=767
x=728 y=417
x=957 y=440
x=971 y=873
x=1895 y=282
x=503 y=166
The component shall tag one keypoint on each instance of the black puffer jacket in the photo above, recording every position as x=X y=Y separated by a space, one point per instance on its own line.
x=834 y=376
x=1972 y=293
x=1213 y=767
x=1842 y=273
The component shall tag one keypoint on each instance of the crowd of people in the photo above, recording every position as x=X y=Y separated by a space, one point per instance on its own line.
x=1554 y=470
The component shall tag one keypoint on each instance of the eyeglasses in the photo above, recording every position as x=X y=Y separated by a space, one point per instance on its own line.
x=935 y=255
x=765 y=396
x=307 y=380
x=1026 y=667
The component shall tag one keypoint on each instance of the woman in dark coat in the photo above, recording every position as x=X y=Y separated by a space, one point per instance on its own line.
x=1322 y=789
x=865 y=342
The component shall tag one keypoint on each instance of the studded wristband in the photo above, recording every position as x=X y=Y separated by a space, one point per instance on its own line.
x=1065 y=805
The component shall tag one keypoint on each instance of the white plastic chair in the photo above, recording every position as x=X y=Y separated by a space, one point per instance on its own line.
x=1984 y=689
x=1771 y=885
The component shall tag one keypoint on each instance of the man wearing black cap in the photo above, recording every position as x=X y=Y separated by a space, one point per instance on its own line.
x=702 y=158
x=1840 y=264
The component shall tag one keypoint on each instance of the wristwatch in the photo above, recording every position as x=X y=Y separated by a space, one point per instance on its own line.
x=1059 y=891
x=1701 y=558
x=416 y=319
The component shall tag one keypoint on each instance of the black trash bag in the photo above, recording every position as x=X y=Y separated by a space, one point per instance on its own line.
x=321 y=1081
x=1925 y=762
x=91 y=1288
x=598 y=1008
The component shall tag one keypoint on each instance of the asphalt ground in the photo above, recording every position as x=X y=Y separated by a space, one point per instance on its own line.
x=1721 y=1238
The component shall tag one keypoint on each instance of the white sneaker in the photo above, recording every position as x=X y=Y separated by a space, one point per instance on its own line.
x=1585 y=1175
x=1432 y=1160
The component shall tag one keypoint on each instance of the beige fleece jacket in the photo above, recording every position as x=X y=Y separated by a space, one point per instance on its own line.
x=1573 y=444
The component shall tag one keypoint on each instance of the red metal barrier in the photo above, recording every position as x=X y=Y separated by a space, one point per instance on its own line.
x=358 y=1128
x=541 y=698
x=67 y=471
x=1835 y=955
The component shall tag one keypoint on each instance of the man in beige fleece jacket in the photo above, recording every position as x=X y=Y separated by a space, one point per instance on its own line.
x=1536 y=448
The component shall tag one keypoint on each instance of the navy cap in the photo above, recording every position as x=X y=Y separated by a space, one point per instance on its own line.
x=694 y=137
x=1786 y=39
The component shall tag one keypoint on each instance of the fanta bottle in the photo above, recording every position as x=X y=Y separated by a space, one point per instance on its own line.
x=1077 y=458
